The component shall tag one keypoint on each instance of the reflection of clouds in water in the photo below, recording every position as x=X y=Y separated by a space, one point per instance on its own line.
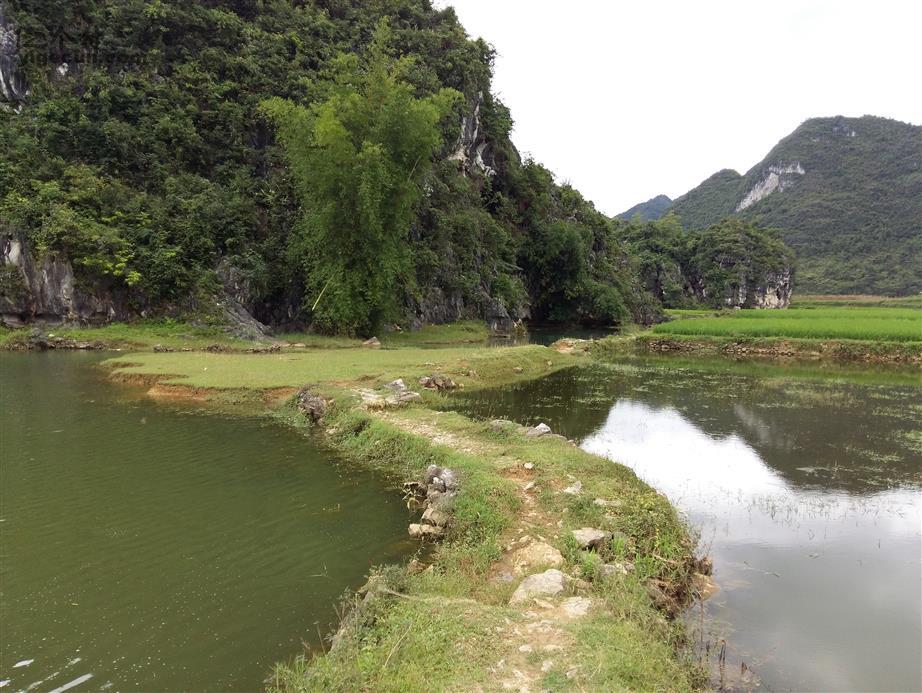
x=832 y=578
x=724 y=482
x=767 y=434
x=673 y=454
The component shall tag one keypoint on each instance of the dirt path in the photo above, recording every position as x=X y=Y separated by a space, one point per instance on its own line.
x=537 y=631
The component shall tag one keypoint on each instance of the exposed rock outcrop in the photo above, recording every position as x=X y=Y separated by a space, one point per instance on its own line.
x=312 y=405
x=13 y=88
x=777 y=178
x=772 y=290
x=547 y=584
x=44 y=291
x=472 y=149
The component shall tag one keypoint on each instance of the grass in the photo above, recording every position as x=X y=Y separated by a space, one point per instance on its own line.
x=140 y=335
x=855 y=300
x=469 y=366
x=445 y=629
x=868 y=324
x=172 y=334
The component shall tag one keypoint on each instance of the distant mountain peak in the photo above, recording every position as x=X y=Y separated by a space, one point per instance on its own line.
x=846 y=194
x=650 y=210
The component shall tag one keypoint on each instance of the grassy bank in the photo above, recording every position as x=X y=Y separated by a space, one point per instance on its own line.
x=853 y=334
x=178 y=336
x=450 y=625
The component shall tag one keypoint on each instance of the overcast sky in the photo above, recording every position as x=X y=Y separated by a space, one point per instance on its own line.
x=627 y=100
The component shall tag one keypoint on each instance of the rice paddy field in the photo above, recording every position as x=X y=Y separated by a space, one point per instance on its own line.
x=859 y=323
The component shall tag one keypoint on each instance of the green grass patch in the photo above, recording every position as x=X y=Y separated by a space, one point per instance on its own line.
x=855 y=300
x=140 y=335
x=869 y=324
x=464 y=332
x=474 y=367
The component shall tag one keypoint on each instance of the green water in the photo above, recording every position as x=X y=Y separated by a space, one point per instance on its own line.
x=152 y=547
x=805 y=484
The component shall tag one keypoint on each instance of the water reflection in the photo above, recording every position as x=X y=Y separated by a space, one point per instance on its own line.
x=805 y=493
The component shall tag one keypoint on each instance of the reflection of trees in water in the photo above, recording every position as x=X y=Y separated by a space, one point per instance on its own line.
x=845 y=436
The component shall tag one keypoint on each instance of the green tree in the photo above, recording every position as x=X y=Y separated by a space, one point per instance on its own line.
x=359 y=158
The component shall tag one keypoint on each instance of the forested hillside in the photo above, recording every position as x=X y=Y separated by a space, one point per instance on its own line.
x=650 y=210
x=847 y=196
x=332 y=163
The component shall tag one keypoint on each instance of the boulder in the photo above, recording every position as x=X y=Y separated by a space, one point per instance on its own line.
x=575 y=607
x=538 y=431
x=426 y=532
x=549 y=583
x=373 y=343
x=312 y=405
x=502 y=426
x=608 y=570
x=574 y=490
x=602 y=503
x=437 y=381
x=434 y=516
x=537 y=554
x=589 y=538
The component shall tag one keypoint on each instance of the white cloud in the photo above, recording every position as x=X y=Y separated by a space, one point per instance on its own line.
x=628 y=100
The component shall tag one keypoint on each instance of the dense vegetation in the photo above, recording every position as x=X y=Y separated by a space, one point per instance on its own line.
x=854 y=217
x=173 y=150
x=650 y=210
x=710 y=267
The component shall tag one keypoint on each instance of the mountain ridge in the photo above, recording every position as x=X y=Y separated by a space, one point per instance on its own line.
x=846 y=194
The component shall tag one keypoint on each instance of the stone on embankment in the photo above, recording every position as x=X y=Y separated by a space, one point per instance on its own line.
x=502 y=426
x=434 y=516
x=602 y=503
x=426 y=532
x=547 y=584
x=537 y=554
x=575 y=607
x=590 y=538
x=574 y=490
x=608 y=570
x=373 y=343
x=312 y=405
x=437 y=381
x=538 y=431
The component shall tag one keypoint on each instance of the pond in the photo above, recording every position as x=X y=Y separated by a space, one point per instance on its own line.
x=805 y=484
x=153 y=547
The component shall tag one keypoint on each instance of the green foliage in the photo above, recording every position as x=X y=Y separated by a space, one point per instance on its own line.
x=651 y=210
x=684 y=269
x=359 y=159
x=734 y=254
x=172 y=146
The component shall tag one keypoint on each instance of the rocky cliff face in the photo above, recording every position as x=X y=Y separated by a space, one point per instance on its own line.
x=12 y=85
x=777 y=179
x=37 y=290
x=771 y=291
x=472 y=149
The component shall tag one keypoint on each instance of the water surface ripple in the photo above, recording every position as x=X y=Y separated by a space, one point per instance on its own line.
x=160 y=548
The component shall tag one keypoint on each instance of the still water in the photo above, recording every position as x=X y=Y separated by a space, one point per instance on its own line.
x=144 y=547
x=806 y=488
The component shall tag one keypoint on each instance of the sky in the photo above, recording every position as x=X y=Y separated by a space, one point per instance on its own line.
x=626 y=99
